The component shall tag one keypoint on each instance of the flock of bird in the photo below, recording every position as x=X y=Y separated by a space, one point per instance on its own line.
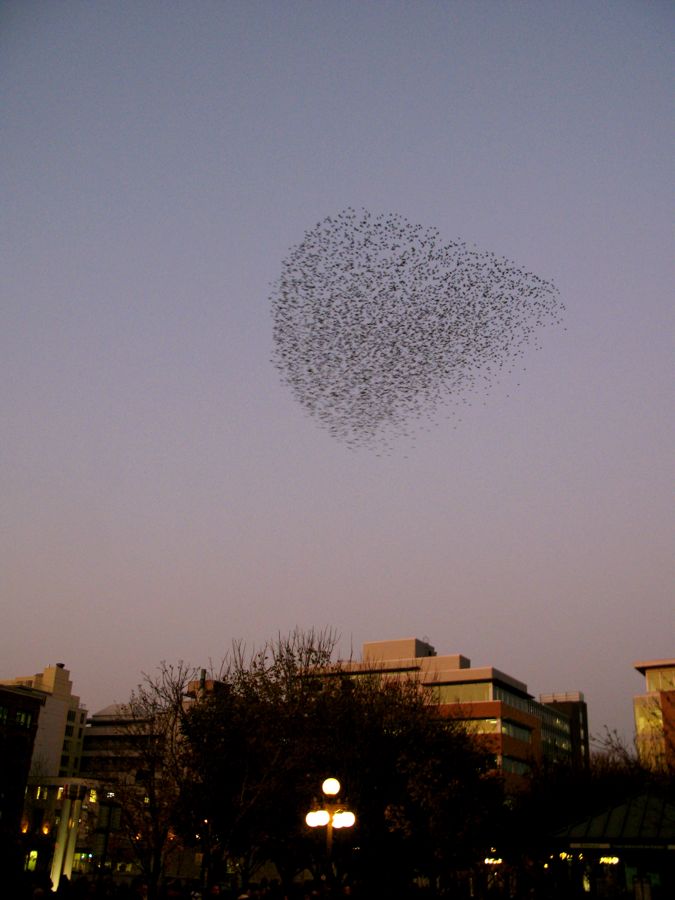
x=378 y=322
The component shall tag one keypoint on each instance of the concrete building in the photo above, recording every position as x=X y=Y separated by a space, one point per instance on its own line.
x=54 y=796
x=655 y=714
x=123 y=758
x=494 y=706
x=58 y=743
x=573 y=705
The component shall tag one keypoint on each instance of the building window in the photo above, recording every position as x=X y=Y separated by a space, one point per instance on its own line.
x=517 y=731
x=515 y=766
x=661 y=679
x=462 y=693
x=481 y=726
x=648 y=715
x=514 y=700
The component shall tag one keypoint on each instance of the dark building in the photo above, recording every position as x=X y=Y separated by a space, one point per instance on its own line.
x=19 y=713
x=573 y=705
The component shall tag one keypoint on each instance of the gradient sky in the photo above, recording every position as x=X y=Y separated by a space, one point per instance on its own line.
x=162 y=492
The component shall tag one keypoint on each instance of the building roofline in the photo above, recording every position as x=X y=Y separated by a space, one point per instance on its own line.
x=26 y=691
x=643 y=666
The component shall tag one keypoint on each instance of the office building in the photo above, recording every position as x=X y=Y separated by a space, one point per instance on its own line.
x=573 y=705
x=58 y=743
x=655 y=714
x=493 y=706
x=19 y=715
x=54 y=796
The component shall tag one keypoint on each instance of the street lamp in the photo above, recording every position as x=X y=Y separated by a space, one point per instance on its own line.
x=334 y=814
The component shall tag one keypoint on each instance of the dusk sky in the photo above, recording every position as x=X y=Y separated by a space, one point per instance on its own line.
x=162 y=491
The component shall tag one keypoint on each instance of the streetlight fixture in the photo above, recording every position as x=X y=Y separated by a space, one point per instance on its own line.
x=334 y=814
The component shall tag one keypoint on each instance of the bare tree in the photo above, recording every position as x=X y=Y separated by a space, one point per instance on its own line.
x=146 y=770
x=283 y=718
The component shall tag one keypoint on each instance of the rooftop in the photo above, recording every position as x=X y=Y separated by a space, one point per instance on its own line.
x=642 y=667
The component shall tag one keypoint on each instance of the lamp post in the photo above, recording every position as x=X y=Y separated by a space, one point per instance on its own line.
x=333 y=813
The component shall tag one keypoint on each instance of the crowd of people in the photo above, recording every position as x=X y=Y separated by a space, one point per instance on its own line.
x=84 y=888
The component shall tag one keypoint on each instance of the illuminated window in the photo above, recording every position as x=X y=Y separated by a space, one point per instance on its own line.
x=481 y=726
x=661 y=679
x=93 y=796
x=648 y=715
x=462 y=693
x=517 y=731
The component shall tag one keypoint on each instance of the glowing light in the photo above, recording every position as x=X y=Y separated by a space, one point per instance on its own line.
x=609 y=860
x=331 y=787
x=45 y=828
x=317 y=818
x=493 y=860
x=343 y=819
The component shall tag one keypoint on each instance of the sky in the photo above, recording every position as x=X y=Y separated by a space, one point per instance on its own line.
x=163 y=494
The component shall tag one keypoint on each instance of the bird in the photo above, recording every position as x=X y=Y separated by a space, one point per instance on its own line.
x=378 y=323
